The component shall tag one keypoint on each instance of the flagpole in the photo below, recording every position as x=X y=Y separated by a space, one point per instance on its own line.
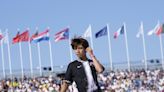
x=144 y=47
x=70 y=49
x=110 y=50
x=40 y=63
x=91 y=39
x=9 y=55
x=21 y=60
x=39 y=57
x=161 y=46
x=127 y=50
x=3 y=63
x=30 y=54
x=50 y=49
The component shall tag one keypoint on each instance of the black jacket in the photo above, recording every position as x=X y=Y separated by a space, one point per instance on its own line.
x=75 y=72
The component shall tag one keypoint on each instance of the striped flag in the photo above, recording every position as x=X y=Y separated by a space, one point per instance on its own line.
x=61 y=35
x=5 y=37
x=154 y=30
x=118 y=32
x=38 y=37
x=160 y=30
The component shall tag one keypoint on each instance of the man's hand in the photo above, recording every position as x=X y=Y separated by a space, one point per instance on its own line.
x=99 y=68
x=89 y=51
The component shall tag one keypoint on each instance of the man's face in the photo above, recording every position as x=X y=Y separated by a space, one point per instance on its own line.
x=80 y=51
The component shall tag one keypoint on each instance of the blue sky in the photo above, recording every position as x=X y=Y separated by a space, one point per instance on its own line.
x=58 y=14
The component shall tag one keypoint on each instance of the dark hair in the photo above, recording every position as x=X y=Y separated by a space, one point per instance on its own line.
x=79 y=41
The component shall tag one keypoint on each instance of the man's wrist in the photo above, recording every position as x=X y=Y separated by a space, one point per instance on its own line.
x=92 y=55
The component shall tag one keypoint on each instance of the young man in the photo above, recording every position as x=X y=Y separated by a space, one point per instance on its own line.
x=83 y=70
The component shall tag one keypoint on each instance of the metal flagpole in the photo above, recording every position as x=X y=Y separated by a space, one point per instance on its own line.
x=144 y=47
x=91 y=39
x=161 y=46
x=9 y=55
x=50 y=49
x=40 y=63
x=70 y=49
x=3 y=62
x=127 y=50
x=21 y=60
x=110 y=50
x=30 y=54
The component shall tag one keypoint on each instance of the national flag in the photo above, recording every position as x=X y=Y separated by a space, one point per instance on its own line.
x=61 y=35
x=43 y=36
x=5 y=37
x=160 y=30
x=21 y=37
x=150 y=32
x=140 y=32
x=119 y=31
x=154 y=30
x=1 y=36
x=102 y=32
x=87 y=32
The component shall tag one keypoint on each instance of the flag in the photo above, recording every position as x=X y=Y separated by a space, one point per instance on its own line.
x=140 y=32
x=160 y=30
x=102 y=32
x=1 y=36
x=150 y=32
x=87 y=32
x=21 y=37
x=38 y=37
x=119 y=31
x=5 y=37
x=61 y=35
x=154 y=30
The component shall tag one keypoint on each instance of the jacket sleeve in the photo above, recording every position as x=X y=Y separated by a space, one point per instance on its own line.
x=68 y=75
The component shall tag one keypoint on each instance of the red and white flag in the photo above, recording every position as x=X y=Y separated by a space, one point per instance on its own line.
x=1 y=36
x=154 y=29
x=61 y=35
x=24 y=37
